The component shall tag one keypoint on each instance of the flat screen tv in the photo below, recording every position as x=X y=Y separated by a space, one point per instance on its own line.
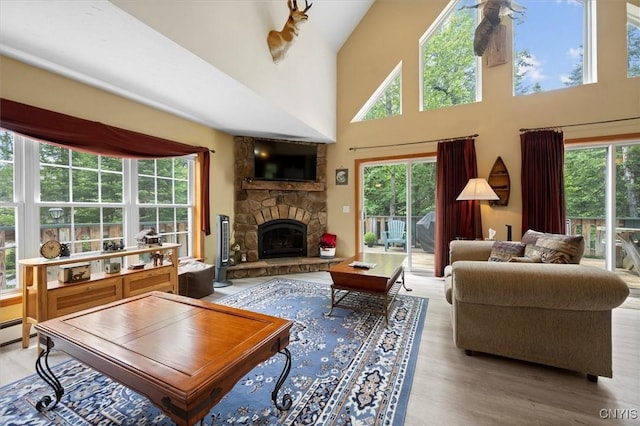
x=277 y=160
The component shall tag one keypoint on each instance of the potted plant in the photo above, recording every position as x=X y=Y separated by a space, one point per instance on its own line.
x=369 y=239
x=327 y=246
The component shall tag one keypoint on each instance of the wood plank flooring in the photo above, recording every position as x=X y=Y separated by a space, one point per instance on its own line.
x=450 y=388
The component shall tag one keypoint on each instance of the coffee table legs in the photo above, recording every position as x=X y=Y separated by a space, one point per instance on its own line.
x=44 y=371
x=286 y=398
x=46 y=403
x=386 y=298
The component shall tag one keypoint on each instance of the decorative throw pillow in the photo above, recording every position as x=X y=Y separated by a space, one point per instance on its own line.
x=553 y=249
x=503 y=251
x=530 y=237
x=525 y=259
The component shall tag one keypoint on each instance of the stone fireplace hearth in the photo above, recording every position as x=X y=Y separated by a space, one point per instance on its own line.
x=261 y=203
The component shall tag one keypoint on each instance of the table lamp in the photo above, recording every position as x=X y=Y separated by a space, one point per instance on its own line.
x=477 y=189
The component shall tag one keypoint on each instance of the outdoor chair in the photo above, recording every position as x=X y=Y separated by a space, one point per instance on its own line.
x=395 y=234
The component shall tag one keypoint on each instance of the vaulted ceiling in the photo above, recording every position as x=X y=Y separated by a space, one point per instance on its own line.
x=98 y=43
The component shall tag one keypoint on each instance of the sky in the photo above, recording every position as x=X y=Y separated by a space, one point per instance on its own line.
x=552 y=31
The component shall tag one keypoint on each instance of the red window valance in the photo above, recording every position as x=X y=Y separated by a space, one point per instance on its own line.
x=98 y=138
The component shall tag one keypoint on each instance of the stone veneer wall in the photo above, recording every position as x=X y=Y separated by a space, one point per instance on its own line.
x=290 y=200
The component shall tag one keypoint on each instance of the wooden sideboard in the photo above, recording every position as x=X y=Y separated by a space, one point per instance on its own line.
x=44 y=299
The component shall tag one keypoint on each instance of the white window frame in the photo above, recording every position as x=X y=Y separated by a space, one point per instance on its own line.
x=27 y=203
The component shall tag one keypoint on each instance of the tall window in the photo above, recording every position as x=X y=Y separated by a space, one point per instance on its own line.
x=386 y=101
x=554 y=45
x=85 y=200
x=633 y=40
x=163 y=198
x=8 y=213
x=449 y=68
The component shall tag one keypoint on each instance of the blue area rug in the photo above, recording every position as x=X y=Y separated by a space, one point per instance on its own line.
x=347 y=369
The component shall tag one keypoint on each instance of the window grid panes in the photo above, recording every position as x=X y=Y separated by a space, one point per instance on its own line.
x=165 y=200
x=79 y=199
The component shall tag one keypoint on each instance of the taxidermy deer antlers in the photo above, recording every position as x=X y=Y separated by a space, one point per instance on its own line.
x=280 y=41
x=492 y=13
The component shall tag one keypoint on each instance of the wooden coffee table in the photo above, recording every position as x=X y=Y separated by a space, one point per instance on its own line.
x=181 y=353
x=372 y=289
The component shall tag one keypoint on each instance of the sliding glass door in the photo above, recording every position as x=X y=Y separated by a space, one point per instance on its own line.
x=397 y=205
x=602 y=185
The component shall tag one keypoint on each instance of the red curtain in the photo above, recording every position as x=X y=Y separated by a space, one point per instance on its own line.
x=456 y=164
x=543 y=202
x=98 y=138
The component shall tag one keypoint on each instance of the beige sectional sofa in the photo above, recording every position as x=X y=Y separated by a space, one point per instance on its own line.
x=553 y=314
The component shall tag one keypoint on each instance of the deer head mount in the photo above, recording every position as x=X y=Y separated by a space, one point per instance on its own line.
x=492 y=13
x=280 y=41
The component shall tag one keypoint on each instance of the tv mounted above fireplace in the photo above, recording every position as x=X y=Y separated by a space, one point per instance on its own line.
x=290 y=161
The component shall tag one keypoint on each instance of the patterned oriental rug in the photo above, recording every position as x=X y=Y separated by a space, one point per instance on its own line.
x=347 y=369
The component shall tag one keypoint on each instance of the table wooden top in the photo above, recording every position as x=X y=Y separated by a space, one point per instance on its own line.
x=378 y=279
x=167 y=346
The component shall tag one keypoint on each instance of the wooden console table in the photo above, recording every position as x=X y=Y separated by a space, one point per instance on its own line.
x=43 y=299
x=134 y=341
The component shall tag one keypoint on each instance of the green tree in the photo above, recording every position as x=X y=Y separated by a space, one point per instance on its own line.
x=584 y=182
x=6 y=167
x=382 y=197
x=423 y=188
x=449 y=64
x=385 y=189
x=576 y=78
x=585 y=189
x=627 y=186
x=633 y=51
x=388 y=104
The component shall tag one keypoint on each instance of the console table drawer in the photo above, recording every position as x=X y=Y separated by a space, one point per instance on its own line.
x=160 y=279
x=76 y=297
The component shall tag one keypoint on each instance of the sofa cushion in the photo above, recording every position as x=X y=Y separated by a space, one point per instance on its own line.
x=503 y=251
x=531 y=237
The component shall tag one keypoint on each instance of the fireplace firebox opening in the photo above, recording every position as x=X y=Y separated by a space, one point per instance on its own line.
x=282 y=238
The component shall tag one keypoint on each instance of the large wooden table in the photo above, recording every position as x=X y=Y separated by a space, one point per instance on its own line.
x=356 y=287
x=181 y=353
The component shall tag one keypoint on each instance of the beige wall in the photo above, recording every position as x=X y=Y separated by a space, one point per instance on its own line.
x=33 y=86
x=390 y=33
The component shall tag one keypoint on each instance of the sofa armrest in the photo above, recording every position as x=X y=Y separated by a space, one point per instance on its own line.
x=469 y=250
x=552 y=286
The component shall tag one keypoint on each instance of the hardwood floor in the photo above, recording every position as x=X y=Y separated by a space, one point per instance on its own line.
x=450 y=388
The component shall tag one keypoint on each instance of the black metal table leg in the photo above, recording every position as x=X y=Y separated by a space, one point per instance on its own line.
x=286 y=398
x=44 y=371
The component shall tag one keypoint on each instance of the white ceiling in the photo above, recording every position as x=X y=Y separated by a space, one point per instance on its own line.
x=91 y=41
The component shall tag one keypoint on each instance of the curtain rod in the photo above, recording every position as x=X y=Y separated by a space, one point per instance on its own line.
x=413 y=143
x=580 y=124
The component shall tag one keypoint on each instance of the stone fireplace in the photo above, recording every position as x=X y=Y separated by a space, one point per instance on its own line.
x=294 y=212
